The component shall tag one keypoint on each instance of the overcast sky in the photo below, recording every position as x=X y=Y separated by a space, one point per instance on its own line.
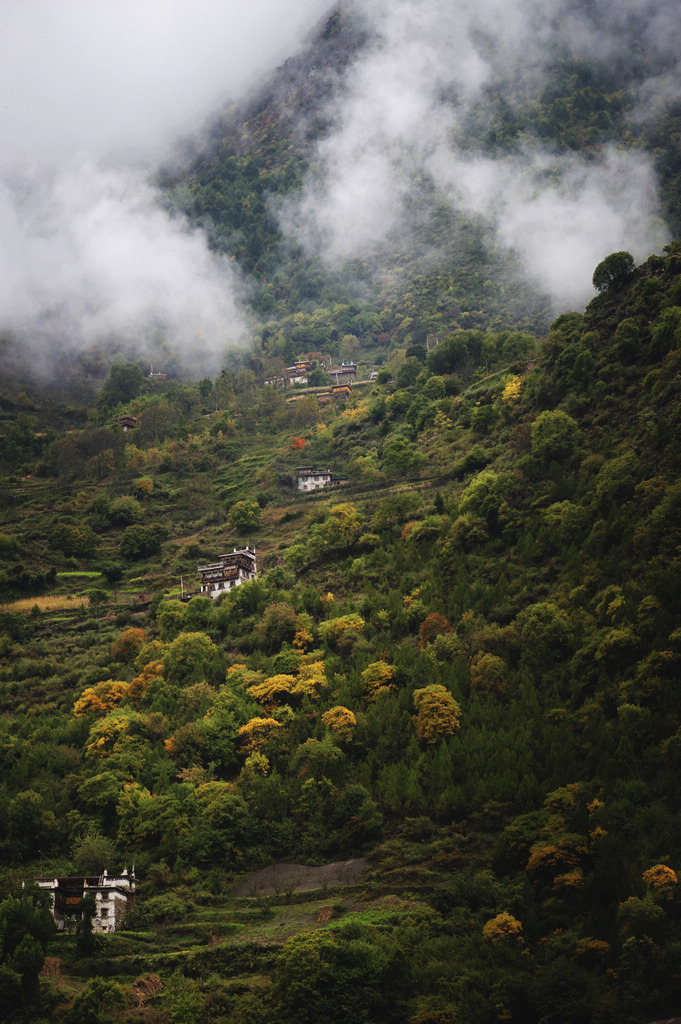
x=103 y=75
x=92 y=95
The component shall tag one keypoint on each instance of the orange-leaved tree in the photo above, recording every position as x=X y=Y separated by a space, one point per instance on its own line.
x=101 y=698
x=433 y=625
x=150 y=676
x=660 y=878
x=128 y=645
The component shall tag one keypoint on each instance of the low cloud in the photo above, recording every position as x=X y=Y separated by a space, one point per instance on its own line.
x=561 y=219
x=93 y=96
x=90 y=258
x=402 y=108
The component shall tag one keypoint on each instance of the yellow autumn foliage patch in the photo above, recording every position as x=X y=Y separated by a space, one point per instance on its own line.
x=340 y=721
x=377 y=679
x=513 y=389
x=101 y=698
x=503 y=926
x=255 y=733
x=437 y=713
x=660 y=877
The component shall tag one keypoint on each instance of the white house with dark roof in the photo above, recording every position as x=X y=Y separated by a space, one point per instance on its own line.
x=114 y=896
x=310 y=479
x=231 y=571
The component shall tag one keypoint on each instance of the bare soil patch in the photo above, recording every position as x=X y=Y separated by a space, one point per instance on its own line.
x=286 y=878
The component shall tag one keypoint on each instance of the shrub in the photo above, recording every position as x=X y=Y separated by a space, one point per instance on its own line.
x=126 y=510
x=141 y=541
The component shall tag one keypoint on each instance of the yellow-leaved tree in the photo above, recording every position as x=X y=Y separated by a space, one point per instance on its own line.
x=503 y=926
x=437 y=713
x=377 y=679
x=513 y=389
x=273 y=690
x=311 y=680
x=340 y=722
x=255 y=734
x=107 y=732
x=333 y=628
x=343 y=524
x=280 y=689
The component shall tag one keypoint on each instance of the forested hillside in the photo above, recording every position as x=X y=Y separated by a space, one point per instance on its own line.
x=463 y=666
x=424 y=768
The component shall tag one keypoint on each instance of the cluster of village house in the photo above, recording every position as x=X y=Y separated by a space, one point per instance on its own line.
x=342 y=376
x=297 y=373
x=239 y=565
x=114 y=895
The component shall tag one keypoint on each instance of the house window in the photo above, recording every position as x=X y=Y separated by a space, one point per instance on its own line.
x=104 y=912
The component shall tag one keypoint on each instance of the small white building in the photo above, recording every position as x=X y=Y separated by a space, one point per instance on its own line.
x=114 y=896
x=310 y=479
x=233 y=569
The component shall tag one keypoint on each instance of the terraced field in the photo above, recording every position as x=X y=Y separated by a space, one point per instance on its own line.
x=234 y=936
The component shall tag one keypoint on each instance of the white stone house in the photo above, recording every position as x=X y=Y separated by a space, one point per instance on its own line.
x=232 y=570
x=310 y=479
x=114 y=896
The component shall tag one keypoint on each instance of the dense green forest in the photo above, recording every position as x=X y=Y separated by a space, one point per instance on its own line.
x=462 y=666
x=423 y=769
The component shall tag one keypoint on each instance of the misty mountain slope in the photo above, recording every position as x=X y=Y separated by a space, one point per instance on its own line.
x=259 y=156
x=435 y=165
x=514 y=175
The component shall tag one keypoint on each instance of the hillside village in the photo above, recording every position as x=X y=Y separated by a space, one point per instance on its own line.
x=340 y=631
x=449 y=668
